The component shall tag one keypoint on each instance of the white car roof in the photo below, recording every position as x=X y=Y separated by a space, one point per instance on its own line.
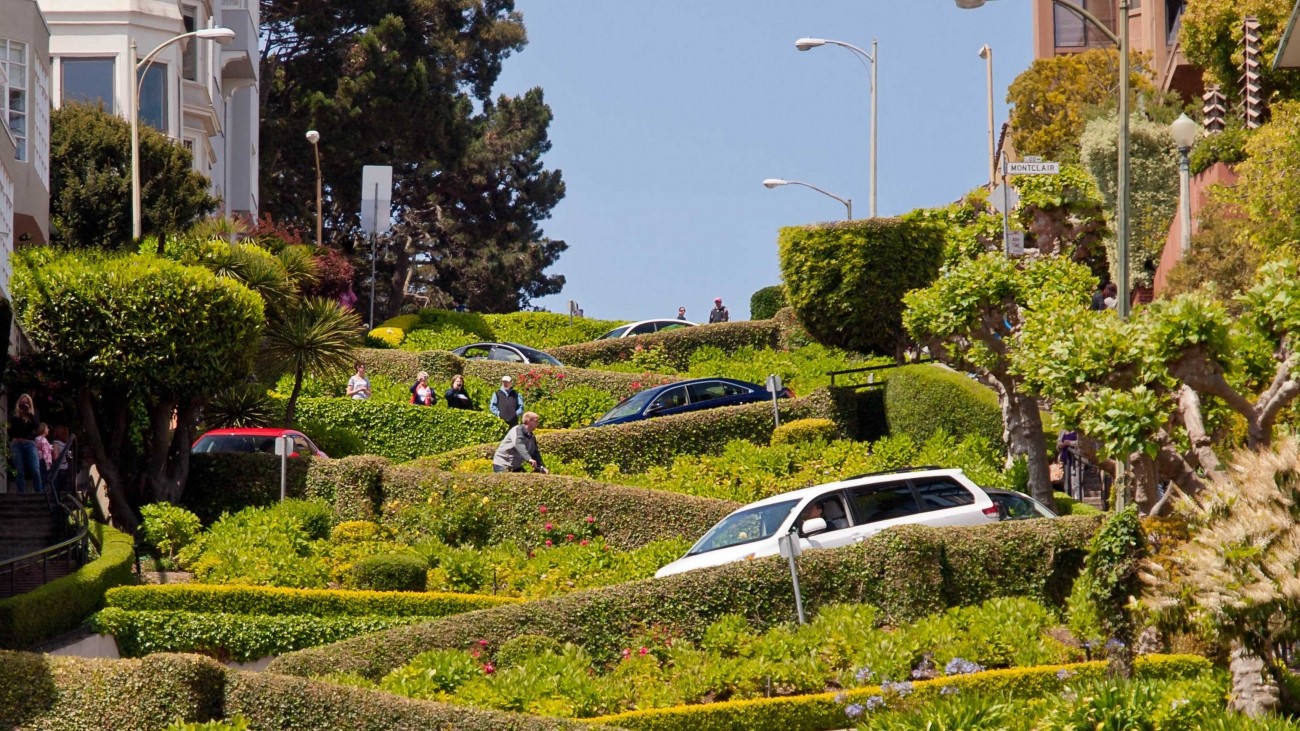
x=871 y=479
x=661 y=319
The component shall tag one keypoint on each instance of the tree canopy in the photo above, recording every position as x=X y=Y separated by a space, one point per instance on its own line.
x=409 y=84
x=90 y=181
x=132 y=334
x=1211 y=38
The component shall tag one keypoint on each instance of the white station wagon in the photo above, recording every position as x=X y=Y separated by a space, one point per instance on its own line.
x=841 y=513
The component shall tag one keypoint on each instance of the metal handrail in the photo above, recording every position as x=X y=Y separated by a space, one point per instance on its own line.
x=77 y=548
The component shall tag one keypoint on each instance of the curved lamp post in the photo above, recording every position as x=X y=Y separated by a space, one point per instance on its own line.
x=1121 y=198
x=314 y=138
x=138 y=68
x=778 y=182
x=1185 y=131
x=805 y=44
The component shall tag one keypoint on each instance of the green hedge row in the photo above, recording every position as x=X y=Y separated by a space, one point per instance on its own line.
x=61 y=605
x=922 y=399
x=639 y=445
x=50 y=693
x=266 y=600
x=401 y=365
x=619 y=384
x=240 y=637
x=766 y=302
x=229 y=482
x=678 y=345
x=541 y=330
x=402 y=431
x=363 y=488
x=825 y=711
x=907 y=572
x=627 y=517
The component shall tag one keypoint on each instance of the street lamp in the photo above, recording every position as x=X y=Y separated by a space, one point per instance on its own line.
x=1185 y=131
x=778 y=182
x=805 y=44
x=314 y=137
x=1121 y=196
x=986 y=53
x=138 y=68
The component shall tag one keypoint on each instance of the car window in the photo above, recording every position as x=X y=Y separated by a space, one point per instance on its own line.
x=301 y=445
x=615 y=333
x=663 y=326
x=670 y=399
x=940 y=493
x=830 y=508
x=1016 y=507
x=714 y=389
x=475 y=352
x=745 y=526
x=537 y=356
x=507 y=355
x=631 y=405
x=883 y=502
x=643 y=329
x=227 y=443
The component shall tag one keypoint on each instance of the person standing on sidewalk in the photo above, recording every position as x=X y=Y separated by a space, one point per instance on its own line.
x=507 y=403
x=719 y=313
x=519 y=448
x=23 y=426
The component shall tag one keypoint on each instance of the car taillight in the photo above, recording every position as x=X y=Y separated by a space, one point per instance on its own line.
x=789 y=392
x=991 y=511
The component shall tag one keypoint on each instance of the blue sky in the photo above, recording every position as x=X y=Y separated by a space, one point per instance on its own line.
x=669 y=115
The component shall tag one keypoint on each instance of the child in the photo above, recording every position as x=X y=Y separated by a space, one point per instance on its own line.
x=44 y=451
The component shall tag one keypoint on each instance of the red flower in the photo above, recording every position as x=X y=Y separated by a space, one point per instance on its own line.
x=549 y=526
x=644 y=651
x=488 y=669
x=474 y=654
x=569 y=537
x=482 y=643
x=541 y=509
x=548 y=541
x=583 y=542
x=591 y=519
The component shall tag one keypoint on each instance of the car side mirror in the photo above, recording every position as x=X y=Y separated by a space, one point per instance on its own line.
x=814 y=525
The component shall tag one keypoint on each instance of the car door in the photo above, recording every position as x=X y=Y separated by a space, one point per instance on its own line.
x=881 y=505
x=670 y=401
x=477 y=352
x=301 y=446
x=644 y=328
x=839 y=526
x=506 y=354
x=945 y=501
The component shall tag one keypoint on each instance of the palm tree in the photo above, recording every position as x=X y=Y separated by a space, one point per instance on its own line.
x=313 y=335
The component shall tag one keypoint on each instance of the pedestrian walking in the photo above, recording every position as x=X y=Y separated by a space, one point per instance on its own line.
x=23 y=428
x=719 y=313
x=507 y=403
x=519 y=448
x=456 y=396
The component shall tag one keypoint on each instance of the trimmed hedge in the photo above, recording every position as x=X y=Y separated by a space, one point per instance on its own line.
x=621 y=385
x=802 y=431
x=541 y=330
x=353 y=486
x=53 y=693
x=907 y=572
x=766 y=302
x=265 y=600
x=846 y=280
x=639 y=445
x=825 y=711
x=240 y=637
x=278 y=703
x=61 y=605
x=391 y=572
x=628 y=517
x=922 y=399
x=678 y=345
x=228 y=482
x=402 y=431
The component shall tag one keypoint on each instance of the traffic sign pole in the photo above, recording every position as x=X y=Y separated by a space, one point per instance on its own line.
x=1006 y=211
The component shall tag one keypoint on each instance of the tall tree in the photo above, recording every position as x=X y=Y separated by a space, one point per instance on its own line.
x=409 y=84
x=90 y=181
x=138 y=338
x=1211 y=38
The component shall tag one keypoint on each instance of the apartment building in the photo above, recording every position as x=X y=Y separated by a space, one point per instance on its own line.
x=25 y=140
x=199 y=92
x=1153 y=31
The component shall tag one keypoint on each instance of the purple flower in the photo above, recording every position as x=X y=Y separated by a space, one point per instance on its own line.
x=854 y=710
x=863 y=675
x=1064 y=674
x=886 y=686
x=1114 y=645
x=875 y=702
x=840 y=698
x=960 y=666
x=903 y=688
x=949 y=690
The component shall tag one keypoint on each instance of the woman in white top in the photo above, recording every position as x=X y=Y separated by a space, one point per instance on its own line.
x=358 y=384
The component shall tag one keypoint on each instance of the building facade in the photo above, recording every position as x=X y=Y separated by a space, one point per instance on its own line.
x=200 y=93
x=1153 y=32
x=25 y=140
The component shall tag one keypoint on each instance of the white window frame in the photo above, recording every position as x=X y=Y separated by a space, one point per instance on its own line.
x=16 y=71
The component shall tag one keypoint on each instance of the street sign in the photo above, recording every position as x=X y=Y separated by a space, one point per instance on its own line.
x=1004 y=198
x=284 y=445
x=1033 y=168
x=1016 y=243
x=376 y=198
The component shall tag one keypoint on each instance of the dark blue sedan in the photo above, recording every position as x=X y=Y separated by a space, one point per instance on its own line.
x=684 y=396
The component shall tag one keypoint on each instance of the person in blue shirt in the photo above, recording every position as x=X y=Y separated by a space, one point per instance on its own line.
x=507 y=403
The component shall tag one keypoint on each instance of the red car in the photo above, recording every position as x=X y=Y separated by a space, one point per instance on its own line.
x=253 y=439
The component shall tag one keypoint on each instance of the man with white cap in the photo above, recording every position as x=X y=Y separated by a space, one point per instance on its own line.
x=507 y=403
x=719 y=313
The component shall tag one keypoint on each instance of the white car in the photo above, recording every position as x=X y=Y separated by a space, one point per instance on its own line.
x=645 y=327
x=841 y=513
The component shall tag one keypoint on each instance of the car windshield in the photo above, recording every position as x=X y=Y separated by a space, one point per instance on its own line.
x=746 y=526
x=631 y=405
x=615 y=333
x=235 y=443
x=537 y=356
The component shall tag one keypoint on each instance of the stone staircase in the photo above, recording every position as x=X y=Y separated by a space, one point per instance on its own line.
x=27 y=525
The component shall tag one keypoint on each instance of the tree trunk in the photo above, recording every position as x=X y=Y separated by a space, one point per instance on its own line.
x=1142 y=478
x=398 y=282
x=120 y=516
x=1027 y=439
x=169 y=456
x=1253 y=692
x=291 y=407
